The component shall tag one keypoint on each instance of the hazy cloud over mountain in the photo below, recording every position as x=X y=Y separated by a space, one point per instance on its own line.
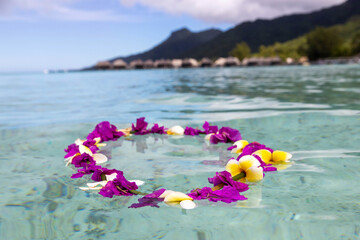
x=232 y=11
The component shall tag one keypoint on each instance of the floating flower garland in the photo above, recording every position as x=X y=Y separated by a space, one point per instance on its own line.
x=249 y=166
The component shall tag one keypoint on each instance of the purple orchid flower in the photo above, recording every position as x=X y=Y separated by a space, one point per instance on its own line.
x=192 y=131
x=119 y=186
x=227 y=194
x=83 y=160
x=225 y=178
x=226 y=134
x=209 y=129
x=88 y=169
x=105 y=131
x=71 y=150
x=150 y=200
x=140 y=127
x=157 y=129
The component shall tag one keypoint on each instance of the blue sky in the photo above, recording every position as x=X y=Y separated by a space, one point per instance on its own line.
x=67 y=34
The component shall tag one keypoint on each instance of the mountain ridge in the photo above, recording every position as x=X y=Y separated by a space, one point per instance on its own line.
x=179 y=41
x=213 y=43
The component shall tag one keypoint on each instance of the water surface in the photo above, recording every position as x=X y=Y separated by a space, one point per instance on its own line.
x=312 y=112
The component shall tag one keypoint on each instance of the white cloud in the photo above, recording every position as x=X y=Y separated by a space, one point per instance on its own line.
x=54 y=9
x=232 y=11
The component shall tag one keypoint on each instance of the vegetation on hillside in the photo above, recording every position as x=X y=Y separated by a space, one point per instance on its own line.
x=335 y=41
x=241 y=51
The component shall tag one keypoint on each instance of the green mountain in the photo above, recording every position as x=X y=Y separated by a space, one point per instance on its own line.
x=291 y=48
x=267 y=32
x=177 y=43
x=214 y=43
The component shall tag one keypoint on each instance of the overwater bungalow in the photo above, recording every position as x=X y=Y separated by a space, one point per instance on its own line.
x=137 y=64
x=189 y=62
x=176 y=63
x=163 y=63
x=206 y=62
x=232 y=61
x=103 y=65
x=260 y=61
x=149 y=64
x=274 y=61
x=220 y=62
x=119 y=64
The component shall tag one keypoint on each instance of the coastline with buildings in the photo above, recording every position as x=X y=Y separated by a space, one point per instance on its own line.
x=120 y=64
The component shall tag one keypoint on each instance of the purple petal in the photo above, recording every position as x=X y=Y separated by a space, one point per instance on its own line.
x=191 y=131
x=151 y=199
x=209 y=129
x=105 y=131
x=157 y=129
x=71 y=150
x=83 y=160
x=225 y=178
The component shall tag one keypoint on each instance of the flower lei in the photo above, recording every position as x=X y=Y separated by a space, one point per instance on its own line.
x=249 y=166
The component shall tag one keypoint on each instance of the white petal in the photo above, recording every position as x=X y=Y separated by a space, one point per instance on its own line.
x=187 y=204
x=137 y=182
x=175 y=130
x=111 y=177
x=99 y=158
x=79 y=142
x=84 y=149
x=164 y=194
x=94 y=184
x=207 y=137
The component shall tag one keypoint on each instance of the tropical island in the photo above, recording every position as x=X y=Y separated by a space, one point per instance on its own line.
x=326 y=36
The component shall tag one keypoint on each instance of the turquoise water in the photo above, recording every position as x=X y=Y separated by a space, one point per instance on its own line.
x=312 y=112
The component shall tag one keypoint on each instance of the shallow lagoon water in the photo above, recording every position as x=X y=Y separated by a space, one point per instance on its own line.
x=312 y=112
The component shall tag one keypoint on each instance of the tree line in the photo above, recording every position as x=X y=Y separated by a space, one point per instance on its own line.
x=318 y=44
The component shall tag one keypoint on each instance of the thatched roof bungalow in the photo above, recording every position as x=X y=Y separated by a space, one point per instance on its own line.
x=260 y=61
x=137 y=64
x=189 y=62
x=163 y=63
x=206 y=62
x=149 y=64
x=119 y=64
x=176 y=63
x=103 y=65
x=232 y=61
x=220 y=62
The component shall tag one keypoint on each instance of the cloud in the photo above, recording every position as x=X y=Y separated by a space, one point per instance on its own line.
x=54 y=9
x=232 y=11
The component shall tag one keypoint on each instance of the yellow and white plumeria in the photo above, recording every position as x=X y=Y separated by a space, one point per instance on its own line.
x=176 y=130
x=247 y=164
x=98 y=157
x=239 y=146
x=175 y=198
x=273 y=158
